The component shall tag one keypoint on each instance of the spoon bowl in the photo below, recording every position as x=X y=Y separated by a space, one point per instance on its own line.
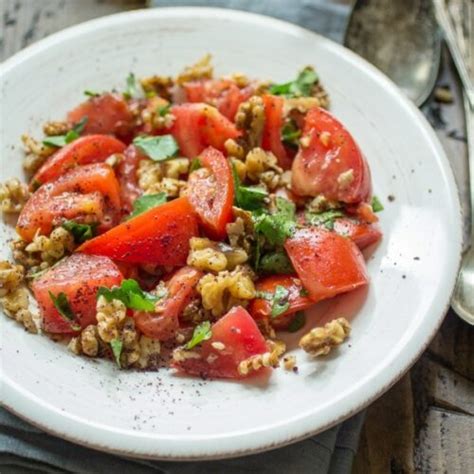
x=400 y=38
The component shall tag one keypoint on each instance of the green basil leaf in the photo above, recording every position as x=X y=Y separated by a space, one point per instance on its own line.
x=146 y=202
x=73 y=134
x=277 y=227
x=325 y=218
x=162 y=111
x=202 y=332
x=301 y=86
x=117 y=346
x=376 y=204
x=159 y=148
x=81 y=232
x=131 y=295
x=276 y=262
x=297 y=322
x=290 y=134
x=89 y=93
x=280 y=302
x=250 y=198
x=195 y=165
x=131 y=90
x=61 y=303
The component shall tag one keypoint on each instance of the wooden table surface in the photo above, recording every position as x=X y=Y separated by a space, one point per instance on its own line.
x=425 y=423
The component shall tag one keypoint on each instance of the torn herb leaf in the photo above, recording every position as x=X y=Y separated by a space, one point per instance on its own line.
x=61 y=303
x=290 y=134
x=158 y=148
x=280 y=302
x=131 y=90
x=117 y=345
x=276 y=262
x=202 y=332
x=73 y=134
x=376 y=204
x=195 y=165
x=80 y=232
x=301 y=86
x=249 y=198
x=146 y=202
x=131 y=295
x=325 y=218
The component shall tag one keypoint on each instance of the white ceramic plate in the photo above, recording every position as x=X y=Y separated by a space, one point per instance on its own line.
x=159 y=415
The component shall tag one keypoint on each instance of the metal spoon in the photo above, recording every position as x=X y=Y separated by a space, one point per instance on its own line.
x=402 y=39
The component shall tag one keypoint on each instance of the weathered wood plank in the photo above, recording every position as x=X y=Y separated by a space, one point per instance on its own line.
x=446 y=443
x=26 y=21
x=387 y=441
x=454 y=346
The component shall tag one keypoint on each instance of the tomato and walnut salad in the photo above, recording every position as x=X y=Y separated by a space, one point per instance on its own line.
x=191 y=215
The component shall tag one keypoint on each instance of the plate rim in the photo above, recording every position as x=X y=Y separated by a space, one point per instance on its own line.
x=106 y=439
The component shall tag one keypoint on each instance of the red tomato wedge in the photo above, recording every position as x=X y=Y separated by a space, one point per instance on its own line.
x=271 y=138
x=181 y=289
x=360 y=233
x=332 y=163
x=106 y=114
x=222 y=93
x=83 y=151
x=85 y=194
x=211 y=192
x=261 y=308
x=198 y=126
x=78 y=277
x=327 y=263
x=239 y=333
x=127 y=175
x=160 y=235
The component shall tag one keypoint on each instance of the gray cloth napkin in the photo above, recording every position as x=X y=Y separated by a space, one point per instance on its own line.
x=25 y=449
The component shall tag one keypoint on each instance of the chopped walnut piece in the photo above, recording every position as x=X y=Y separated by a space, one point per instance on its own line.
x=267 y=359
x=234 y=149
x=56 y=128
x=159 y=85
x=320 y=341
x=226 y=289
x=250 y=118
x=214 y=256
x=11 y=277
x=51 y=249
x=149 y=351
x=15 y=304
x=201 y=70
x=110 y=318
x=13 y=196
x=36 y=153
x=90 y=341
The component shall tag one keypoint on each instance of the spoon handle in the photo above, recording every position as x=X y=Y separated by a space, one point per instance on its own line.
x=456 y=53
x=469 y=112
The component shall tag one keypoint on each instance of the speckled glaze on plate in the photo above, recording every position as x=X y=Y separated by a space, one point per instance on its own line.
x=160 y=415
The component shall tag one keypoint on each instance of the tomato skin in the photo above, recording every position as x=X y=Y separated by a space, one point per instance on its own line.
x=261 y=308
x=271 y=138
x=361 y=233
x=160 y=235
x=78 y=277
x=223 y=93
x=127 y=175
x=318 y=166
x=241 y=337
x=83 y=151
x=106 y=114
x=198 y=126
x=212 y=195
x=326 y=263
x=88 y=193
x=181 y=289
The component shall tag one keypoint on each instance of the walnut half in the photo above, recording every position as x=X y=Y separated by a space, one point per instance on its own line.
x=320 y=341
